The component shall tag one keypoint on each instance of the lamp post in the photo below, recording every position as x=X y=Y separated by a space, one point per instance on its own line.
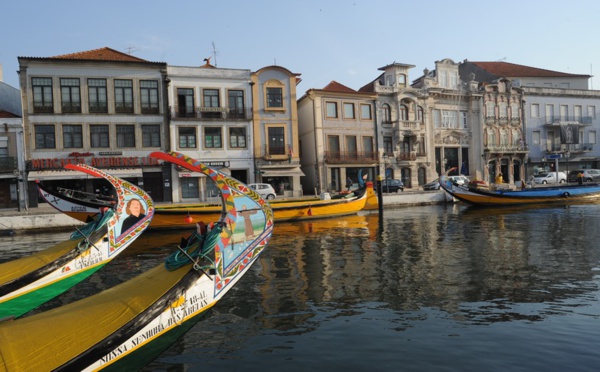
x=19 y=180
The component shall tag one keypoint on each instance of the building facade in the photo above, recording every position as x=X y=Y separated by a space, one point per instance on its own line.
x=338 y=138
x=275 y=129
x=100 y=107
x=211 y=120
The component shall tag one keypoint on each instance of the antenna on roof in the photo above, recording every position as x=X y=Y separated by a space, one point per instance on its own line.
x=131 y=49
x=592 y=79
x=501 y=59
x=214 y=52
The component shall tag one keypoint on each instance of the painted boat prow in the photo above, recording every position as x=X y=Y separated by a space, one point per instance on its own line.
x=30 y=281
x=123 y=327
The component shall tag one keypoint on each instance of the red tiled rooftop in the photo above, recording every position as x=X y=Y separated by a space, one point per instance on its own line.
x=102 y=54
x=7 y=115
x=334 y=86
x=505 y=69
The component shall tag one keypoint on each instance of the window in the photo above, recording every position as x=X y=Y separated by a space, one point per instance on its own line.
x=388 y=148
x=386 y=113
x=189 y=188
x=449 y=119
x=211 y=104
x=503 y=110
x=536 y=138
x=185 y=102
x=42 y=95
x=99 y=136
x=237 y=138
x=463 y=119
x=151 y=135
x=274 y=97
x=124 y=96
x=365 y=112
x=72 y=136
x=187 y=137
x=97 y=100
x=420 y=114
x=44 y=137
x=69 y=93
x=276 y=140
x=333 y=146
x=490 y=109
x=125 y=136
x=578 y=112
x=351 y=147
x=592 y=137
x=535 y=110
x=348 y=110
x=402 y=79
x=591 y=112
x=236 y=104
x=331 y=110
x=549 y=113
x=564 y=112
x=514 y=110
x=149 y=96
x=368 y=145
x=403 y=113
x=212 y=137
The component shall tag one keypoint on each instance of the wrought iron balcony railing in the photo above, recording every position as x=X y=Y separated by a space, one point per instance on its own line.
x=212 y=113
x=351 y=157
x=8 y=164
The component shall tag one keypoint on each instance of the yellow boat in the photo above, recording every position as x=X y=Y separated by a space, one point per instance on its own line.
x=177 y=216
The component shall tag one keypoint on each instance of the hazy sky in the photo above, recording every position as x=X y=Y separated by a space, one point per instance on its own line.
x=341 y=40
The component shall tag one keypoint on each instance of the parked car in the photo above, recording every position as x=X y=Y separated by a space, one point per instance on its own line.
x=550 y=177
x=263 y=189
x=588 y=175
x=433 y=185
x=459 y=180
x=391 y=185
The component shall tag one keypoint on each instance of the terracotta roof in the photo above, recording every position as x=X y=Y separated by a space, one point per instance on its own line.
x=334 y=86
x=7 y=115
x=505 y=69
x=102 y=54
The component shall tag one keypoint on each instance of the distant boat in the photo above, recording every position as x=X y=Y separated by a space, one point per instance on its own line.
x=82 y=206
x=30 y=281
x=125 y=327
x=475 y=195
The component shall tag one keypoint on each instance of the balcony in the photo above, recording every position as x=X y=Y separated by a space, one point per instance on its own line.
x=8 y=164
x=552 y=121
x=212 y=113
x=351 y=157
x=98 y=108
x=43 y=109
x=124 y=108
x=71 y=108
x=574 y=148
x=406 y=156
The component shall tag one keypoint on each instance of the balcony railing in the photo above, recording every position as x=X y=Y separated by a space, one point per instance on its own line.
x=124 y=108
x=98 y=108
x=351 y=157
x=406 y=156
x=563 y=119
x=150 y=110
x=71 y=108
x=574 y=148
x=212 y=113
x=8 y=164
x=43 y=109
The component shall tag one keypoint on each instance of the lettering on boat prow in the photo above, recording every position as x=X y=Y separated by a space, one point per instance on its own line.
x=188 y=307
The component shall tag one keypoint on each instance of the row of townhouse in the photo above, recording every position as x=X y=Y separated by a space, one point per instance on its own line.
x=110 y=110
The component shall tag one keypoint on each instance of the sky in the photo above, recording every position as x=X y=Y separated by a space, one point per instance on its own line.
x=330 y=40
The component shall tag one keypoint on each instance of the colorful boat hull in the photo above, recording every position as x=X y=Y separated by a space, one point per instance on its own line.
x=30 y=281
x=123 y=328
x=538 y=195
x=185 y=215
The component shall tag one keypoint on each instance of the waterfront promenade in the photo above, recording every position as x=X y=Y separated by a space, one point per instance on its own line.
x=45 y=218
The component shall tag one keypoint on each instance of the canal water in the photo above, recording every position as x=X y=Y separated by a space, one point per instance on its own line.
x=431 y=288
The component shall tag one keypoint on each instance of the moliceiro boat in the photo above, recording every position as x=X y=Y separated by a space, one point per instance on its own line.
x=82 y=206
x=30 y=281
x=125 y=327
x=477 y=195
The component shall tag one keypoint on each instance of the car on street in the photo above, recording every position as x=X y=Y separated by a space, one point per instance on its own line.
x=433 y=185
x=264 y=189
x=550 y=177
x=589 y=175
x=391 y=185
x=459 y=180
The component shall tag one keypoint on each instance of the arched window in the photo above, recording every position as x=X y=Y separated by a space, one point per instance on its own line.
x=490 y=109
x=403 y=114
x=420 y=114
x=385 y=108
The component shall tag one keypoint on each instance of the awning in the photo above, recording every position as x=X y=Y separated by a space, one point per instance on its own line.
x=72 y=175
x=282 y=172
x=56 y=175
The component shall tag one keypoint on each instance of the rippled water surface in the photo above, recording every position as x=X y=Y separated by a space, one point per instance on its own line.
x=431 y=288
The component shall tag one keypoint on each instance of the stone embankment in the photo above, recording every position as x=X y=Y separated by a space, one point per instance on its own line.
x=45 y=218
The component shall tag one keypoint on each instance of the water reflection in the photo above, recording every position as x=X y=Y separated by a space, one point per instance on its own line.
x=423 y=282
